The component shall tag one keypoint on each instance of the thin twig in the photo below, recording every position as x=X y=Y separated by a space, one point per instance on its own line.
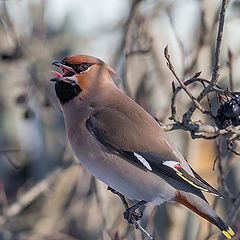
x=192 y=80
x=230 y=143
x=184 y=87
x=197 y=129
x=208 y=99
x=215 y=72
x=230 y=63
x=5 y=153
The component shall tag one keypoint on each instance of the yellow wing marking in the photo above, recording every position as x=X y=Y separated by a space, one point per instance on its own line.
x=229 y=233
x=190 y=182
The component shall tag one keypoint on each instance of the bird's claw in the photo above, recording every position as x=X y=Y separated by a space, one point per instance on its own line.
x=132 y=215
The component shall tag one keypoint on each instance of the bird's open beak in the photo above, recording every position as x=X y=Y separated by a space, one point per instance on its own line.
x=66 y=75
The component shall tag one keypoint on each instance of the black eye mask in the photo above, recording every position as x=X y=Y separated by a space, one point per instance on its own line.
x=82 y=67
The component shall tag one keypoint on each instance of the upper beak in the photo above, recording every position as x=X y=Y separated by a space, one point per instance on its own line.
x=67 y=73
x=63 y=67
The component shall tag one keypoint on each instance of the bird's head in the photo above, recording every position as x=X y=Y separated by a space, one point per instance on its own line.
x=80 y=76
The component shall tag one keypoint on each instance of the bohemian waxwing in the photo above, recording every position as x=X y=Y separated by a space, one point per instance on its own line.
x=122 y=145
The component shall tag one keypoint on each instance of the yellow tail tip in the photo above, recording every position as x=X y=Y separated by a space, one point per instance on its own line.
x=231 y=232
x=226 y=234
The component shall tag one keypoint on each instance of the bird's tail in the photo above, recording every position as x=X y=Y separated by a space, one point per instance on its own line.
x=202 y=208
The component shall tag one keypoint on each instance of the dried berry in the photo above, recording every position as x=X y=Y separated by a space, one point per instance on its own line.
x=229 y=113
x=236 y=121
x=222 y=122
x=230 y=109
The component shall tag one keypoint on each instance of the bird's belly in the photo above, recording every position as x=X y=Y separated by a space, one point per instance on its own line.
x=124 y=177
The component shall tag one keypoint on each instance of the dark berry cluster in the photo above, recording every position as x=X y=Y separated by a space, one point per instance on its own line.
x=229 y=113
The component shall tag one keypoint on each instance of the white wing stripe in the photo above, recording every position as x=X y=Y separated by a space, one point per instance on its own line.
x=143 y=161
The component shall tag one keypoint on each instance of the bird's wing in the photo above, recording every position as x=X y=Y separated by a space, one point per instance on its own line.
x=122 y=136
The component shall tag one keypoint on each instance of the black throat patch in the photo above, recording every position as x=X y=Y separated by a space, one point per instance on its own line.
x=66 y=91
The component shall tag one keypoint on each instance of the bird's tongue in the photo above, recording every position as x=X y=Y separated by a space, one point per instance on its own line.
x=57 y=74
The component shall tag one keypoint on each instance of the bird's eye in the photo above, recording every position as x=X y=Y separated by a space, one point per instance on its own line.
x=82 y=67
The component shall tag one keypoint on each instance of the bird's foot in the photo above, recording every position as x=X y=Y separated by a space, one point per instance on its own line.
x=131 y=215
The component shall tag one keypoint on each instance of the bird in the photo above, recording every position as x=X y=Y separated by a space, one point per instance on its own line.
x=124 y=146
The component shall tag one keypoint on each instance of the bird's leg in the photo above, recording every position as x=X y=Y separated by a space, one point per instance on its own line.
x=124 y=201
x=131 y=215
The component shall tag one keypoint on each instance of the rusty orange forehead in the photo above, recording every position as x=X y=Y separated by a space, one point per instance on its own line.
x=77 y=59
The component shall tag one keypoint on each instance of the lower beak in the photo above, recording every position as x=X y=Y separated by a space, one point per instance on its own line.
x=56 y=79
x=70 y=80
